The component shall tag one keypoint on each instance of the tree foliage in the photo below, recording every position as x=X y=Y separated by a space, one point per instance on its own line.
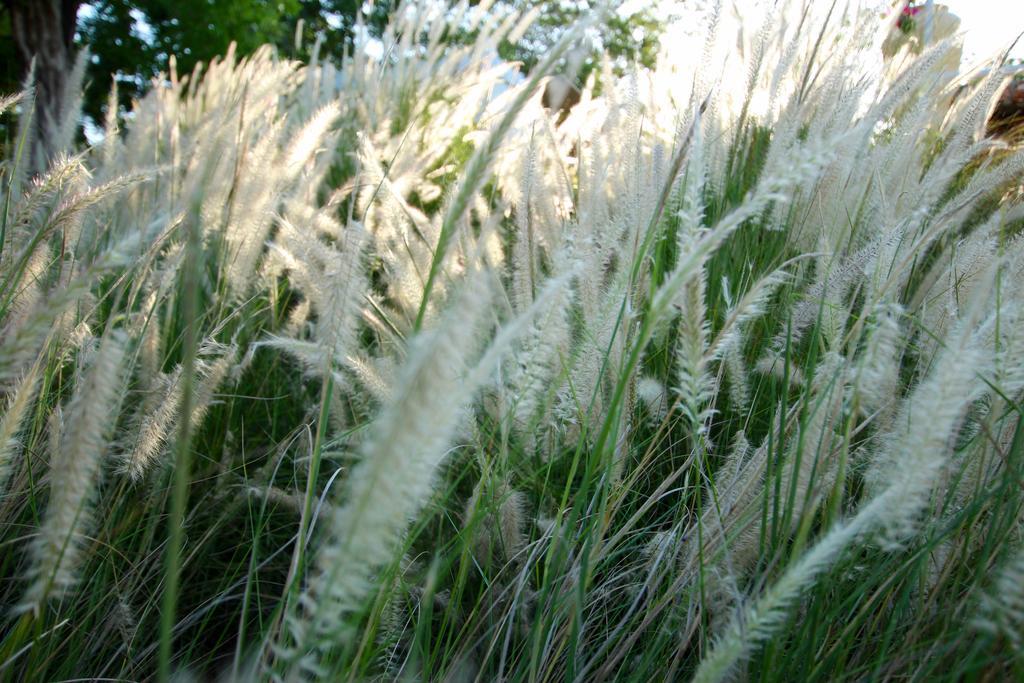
x=131 y=41
x=625 y=36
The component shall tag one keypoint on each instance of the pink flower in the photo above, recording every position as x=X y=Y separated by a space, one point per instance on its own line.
x=905 y=22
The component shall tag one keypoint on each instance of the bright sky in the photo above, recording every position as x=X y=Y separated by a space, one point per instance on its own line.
x=989 y=25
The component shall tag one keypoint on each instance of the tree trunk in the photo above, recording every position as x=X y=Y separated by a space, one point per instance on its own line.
x=45 y=30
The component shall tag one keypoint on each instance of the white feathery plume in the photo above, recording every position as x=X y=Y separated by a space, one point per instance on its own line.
x=906 y=480
x=1001 y=610
x=878 y=375
x=17 y=409
x=814 y=446
x=401 y=457
x=67 y=126
x=376 y=375
x=74 y=474
x=770 y=610
x=652 y=394
x=805 y=162
x=537 y=362
x=695 y=383
x=917 y=448
x=110 y=128
x=495 y=515
x=308 y=140
x=8 y=101
x=156 y=425
x=334 y=284
x=728 y=343
x=392 y=479
x=212 y=375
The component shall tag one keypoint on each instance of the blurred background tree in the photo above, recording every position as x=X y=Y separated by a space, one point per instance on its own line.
x=630 y=34
x=43 y=30
x=132 y=40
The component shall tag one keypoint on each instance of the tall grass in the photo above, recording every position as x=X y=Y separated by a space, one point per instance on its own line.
x=381 y=370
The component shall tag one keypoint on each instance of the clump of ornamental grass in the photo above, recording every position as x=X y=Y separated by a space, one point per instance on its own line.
x=380 y=369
